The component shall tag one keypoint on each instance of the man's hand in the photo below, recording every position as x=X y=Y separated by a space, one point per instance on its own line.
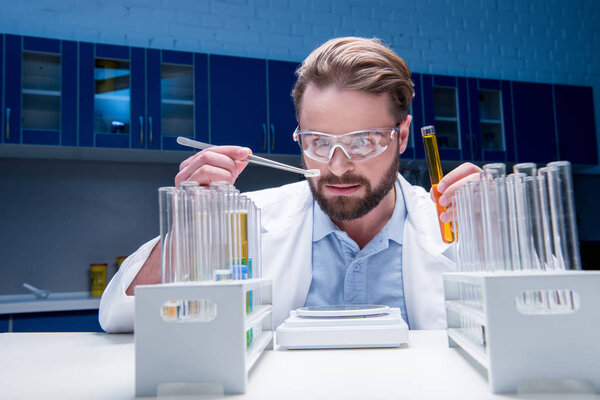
x=453 y=181
x=219 y=163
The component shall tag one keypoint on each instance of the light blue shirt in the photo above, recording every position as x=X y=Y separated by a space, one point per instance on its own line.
x=345 y=274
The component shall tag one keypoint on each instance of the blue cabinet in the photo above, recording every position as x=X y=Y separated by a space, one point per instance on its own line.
x=141 y=98
x=534 y=122
x=64 y=93
x=282 y=114
x=238 y=106
x=445 y=105
x=575 y=124
x=64 y=321
x=490 y=111
x=40 y=101
x=177 y=97
x=4 y=129
x=246 y=110
x=418 y=121
x=111 y=96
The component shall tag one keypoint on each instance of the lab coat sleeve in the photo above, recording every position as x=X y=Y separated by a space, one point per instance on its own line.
x=117 y=308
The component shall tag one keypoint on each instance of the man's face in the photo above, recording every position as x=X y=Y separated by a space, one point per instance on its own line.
x=348 y=189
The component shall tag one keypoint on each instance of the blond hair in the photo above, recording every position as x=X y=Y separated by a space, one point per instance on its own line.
x=357 y=64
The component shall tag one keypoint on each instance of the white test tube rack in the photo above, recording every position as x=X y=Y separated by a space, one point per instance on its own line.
x=520 y=347
x=200 y=352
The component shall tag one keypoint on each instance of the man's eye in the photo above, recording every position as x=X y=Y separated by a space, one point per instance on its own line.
x=320 y=142
x=362 y=140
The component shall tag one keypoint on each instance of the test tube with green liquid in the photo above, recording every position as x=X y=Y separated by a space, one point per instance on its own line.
x=435 y=175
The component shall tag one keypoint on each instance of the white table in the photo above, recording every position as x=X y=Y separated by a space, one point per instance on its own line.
x=101 y=366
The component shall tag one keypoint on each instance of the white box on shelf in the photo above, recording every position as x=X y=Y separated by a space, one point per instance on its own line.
x=520 y=345
x=209 y=348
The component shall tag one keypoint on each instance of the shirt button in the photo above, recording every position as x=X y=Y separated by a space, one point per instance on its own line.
x=357 y=267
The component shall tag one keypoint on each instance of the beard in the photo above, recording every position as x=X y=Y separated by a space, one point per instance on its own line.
x=344 y=208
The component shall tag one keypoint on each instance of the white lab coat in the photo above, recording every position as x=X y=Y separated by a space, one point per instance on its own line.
x=287 y=220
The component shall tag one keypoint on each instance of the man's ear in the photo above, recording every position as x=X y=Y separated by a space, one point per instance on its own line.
x=403 y=134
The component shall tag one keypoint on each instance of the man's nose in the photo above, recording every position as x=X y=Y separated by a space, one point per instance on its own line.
x=339 y=161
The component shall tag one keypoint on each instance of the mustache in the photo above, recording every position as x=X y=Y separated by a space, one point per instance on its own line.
x=348 y=179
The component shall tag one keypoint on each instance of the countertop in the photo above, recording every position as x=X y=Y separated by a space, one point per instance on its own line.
x=102 y=366
x=68 y=301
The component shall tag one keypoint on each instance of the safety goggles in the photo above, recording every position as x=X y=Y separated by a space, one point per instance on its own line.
x=358 y=145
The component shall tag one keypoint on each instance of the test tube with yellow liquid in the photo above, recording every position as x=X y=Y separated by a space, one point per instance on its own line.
x=435 y=175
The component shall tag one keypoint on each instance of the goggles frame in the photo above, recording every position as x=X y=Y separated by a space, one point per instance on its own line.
x=297 y=136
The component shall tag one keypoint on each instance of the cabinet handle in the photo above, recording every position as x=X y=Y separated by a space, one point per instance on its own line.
x=7 y=123
x=141 y=130
x=272 y=137
x=264 y=137
x=150 y=127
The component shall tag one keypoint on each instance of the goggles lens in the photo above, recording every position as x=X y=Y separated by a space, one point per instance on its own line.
x=359 y=145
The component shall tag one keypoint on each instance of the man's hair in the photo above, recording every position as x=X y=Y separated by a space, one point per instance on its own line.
x=360 y=64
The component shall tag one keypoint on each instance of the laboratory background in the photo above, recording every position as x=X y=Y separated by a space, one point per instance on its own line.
x=86 y=142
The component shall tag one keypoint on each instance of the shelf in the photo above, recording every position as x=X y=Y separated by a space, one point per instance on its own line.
x=446 y=119
x=460 y=307
x=475 y=350
x=178 y=102
x=257 y=348
x=41 y=92
x=491 y=121
x=256 y=316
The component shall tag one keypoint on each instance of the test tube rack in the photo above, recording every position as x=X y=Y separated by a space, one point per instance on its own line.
x=517 y=345
x=213 y=349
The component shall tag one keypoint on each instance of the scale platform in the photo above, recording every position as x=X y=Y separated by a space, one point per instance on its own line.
x=344 y=326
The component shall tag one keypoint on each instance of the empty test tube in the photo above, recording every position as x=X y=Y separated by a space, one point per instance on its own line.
x=562 y=207
x=435 y=175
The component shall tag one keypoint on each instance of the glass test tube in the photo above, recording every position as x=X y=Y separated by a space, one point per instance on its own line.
x=167 y=197
x=435 y=176
x=563 y=215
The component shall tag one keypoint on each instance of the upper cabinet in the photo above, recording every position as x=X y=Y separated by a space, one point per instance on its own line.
x=141 y=98
x=282 y=113
x=40 y=101
x=490 y=109
x=445 y=106
x=251 y=104
x=576 y=124
x=65 y=93
x=534 y=122
x=177 y=97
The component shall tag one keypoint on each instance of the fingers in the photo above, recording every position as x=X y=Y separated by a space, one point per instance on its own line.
x=219 y=163
x=448 y=215
x=454 y=180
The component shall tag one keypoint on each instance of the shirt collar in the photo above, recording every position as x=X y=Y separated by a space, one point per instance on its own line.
x=323 y=226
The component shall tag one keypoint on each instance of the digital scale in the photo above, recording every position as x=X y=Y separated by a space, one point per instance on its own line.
x=343 y=326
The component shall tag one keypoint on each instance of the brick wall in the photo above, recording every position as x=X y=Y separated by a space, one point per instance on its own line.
x=553 y=41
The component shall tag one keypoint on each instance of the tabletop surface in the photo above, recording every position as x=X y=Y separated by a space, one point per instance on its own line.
x=102 y=366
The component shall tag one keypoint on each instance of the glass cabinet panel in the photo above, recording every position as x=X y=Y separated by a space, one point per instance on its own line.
x=41 y=91
x=177 y=100
x=112 y=96
x=490 y=119
x=446 y=117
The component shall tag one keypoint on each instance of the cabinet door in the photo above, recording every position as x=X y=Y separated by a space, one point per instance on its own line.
x=178 y=98
x=282 y=113
x=3 y=131
x=238 y=104
x=491 y=123
x=108 y=116
x=445 y=105
x=41 y=91
x=534 y=122
x=576 y=124
x=414 y=147
x=64 y=321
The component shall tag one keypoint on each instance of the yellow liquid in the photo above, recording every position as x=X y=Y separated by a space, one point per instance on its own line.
x=435 y=175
